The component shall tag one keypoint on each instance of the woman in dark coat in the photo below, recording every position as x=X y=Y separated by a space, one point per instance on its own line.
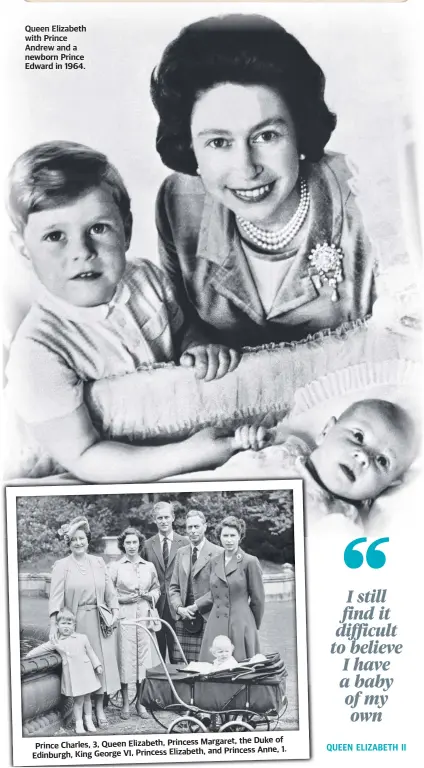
x=238 y=595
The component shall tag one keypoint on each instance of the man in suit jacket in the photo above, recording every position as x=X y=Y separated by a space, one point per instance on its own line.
x=161 y=550
x=189 y=589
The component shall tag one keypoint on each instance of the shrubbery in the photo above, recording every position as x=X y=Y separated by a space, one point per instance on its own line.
x=268 y=516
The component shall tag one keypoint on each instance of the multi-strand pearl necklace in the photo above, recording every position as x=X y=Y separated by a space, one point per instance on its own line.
x=276 y=241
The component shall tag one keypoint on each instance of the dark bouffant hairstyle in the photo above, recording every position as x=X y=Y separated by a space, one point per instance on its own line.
x=131 y=531
x=232 y=522
x=242 y=49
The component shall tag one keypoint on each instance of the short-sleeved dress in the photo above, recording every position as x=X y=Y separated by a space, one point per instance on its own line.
x=136 y=652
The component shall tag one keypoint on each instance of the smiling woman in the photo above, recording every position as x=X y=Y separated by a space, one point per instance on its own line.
x=259 y=230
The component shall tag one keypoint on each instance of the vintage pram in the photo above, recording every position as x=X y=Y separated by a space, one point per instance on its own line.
x=251 y=696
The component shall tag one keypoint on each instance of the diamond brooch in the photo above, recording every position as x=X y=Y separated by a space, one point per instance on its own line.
x=326 y=263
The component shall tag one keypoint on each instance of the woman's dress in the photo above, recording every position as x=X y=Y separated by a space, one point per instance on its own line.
x=238 y=605
x=203 y=255
x=81 y=588
x=136 y=652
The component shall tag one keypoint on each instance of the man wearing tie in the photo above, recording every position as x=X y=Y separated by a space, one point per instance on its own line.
x=189 y=590
x=161 y=550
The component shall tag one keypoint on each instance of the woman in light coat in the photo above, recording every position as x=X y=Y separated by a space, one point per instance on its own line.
x=81 y=583
x=138 y=590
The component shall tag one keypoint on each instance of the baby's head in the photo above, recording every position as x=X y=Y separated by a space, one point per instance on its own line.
x=65 y=621
x=222 y=648
x=366 y=450
x=72 y=217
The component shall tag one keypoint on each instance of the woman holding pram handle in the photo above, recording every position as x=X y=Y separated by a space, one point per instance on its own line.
x=238 y=595
x=138 y=590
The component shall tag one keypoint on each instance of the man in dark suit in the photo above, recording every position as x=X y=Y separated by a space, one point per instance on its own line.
x=161 y=550
x=189 y=590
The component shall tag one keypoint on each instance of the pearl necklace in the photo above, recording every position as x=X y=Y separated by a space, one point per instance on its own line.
x=276 y=241
x=82 y=566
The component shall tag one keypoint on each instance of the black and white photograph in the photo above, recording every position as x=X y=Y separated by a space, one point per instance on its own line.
x=212 y=348
x=208 y=259
x=159 y=610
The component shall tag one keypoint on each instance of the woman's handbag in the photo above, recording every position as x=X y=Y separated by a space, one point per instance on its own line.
x=105 y=619
x=154 y=624
x=193 y=626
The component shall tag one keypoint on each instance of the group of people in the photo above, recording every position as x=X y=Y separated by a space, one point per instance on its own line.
x=211 y=596
x=260 y=240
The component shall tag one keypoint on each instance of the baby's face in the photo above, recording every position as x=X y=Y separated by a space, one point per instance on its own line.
x=65 y=626
x=362 y=454
x=78 y=249
x=222 y=651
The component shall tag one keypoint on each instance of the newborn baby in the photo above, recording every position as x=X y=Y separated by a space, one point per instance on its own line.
x=355 y=458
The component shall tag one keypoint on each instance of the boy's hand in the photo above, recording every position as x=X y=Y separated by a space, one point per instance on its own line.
x=251 y=436
x=210 y=361
x=99 y=669
x=212 y=447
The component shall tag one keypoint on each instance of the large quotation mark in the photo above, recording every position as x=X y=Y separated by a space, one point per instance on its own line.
x=375 y=559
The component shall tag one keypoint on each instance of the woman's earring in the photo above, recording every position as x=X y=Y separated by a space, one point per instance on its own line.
x=301 y=156
x=197 y=171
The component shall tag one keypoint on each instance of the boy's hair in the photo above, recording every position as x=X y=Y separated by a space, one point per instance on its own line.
x=52 y=174
x=65 y=613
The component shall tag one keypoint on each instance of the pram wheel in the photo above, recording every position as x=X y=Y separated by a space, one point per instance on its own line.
x=187 y=724
x=233 y=726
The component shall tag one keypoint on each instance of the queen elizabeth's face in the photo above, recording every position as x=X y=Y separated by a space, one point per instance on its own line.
x=245 y=144
x=79 y=543
x=230 y=538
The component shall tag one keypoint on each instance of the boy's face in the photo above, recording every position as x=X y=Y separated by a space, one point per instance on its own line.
x=78 y=249
x=222 y=650
x=362 y=454
x=65 y=626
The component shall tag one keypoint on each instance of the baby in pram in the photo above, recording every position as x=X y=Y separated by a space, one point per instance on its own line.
x=222 y=651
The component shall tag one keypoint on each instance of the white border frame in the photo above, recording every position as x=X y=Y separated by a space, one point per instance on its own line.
x=296 y=742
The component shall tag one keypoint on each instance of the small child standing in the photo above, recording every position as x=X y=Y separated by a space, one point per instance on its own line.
x=79 y=667
x=222 y=651
x=95 y=316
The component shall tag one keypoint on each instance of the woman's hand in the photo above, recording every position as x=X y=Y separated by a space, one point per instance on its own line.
x=146 y=596
x=184 y=613
x=251 y=436
x=210 y=361
x=99 y=669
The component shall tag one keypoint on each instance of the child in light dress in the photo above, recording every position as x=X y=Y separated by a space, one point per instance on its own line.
x=94 y=316
x=355 y=458
x=222 y=651
x=80 y=668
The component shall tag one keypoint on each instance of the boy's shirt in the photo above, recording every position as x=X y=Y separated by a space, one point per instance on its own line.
x=60 y=346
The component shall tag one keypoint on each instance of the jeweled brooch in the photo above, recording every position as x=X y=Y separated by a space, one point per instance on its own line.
x=326 y=263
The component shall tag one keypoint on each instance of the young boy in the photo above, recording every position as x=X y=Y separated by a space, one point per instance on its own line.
x=355 y=459
x=79 y=667
x=94 y=316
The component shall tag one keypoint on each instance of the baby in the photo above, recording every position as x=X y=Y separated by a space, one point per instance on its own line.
x=355 y=459
x=222 y=650
x=79 y=667
x=95 y=316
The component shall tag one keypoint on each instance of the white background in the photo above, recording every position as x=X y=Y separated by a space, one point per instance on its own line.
x=366 y=52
